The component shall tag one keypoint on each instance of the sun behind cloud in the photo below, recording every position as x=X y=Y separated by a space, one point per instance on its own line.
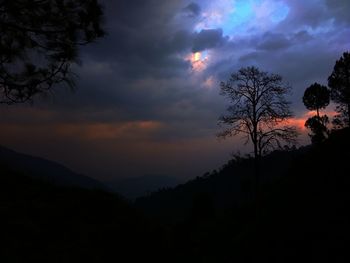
x=198 y=60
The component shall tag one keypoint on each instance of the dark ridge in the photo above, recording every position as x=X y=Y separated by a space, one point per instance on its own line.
x=46 y=170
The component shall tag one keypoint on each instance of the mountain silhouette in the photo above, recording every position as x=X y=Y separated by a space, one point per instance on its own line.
x=46 y=170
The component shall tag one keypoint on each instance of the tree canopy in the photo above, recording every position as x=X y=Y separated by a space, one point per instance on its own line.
x=316 y=97
x=40 y=40
x=339 y=83
x=258 y=110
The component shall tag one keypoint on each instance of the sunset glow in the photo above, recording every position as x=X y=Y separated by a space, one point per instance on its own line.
x=299 y=122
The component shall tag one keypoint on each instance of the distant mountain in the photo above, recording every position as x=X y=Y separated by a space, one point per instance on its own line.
x=45 y=170
x=143 y=185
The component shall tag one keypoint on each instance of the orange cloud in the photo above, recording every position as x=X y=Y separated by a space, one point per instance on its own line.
x=299 y=122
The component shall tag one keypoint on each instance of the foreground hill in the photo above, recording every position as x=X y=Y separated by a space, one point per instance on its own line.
x=46 y=170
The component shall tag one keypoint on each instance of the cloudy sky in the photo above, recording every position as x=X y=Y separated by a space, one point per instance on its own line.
x=147 y=98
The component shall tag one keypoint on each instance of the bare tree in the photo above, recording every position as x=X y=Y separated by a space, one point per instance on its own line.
x=258 y=110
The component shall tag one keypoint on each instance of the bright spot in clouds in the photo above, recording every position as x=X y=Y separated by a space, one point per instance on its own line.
x=196 y=56
x=198 y=61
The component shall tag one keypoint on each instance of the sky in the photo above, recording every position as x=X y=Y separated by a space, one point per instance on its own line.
x=148 y=100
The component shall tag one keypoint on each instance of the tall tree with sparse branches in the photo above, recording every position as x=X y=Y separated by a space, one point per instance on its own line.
x=39 y=42
x=258 y=110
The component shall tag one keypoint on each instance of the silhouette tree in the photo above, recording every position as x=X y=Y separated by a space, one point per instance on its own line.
x=258 y=110
x=40 y=40
x=339 y=83
x=317 y=97
x=318 y=127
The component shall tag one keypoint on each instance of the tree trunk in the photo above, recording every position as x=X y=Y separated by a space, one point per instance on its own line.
x=256 y=152
x=349 y=114
x=257 y=180
x=257 y=176
x=256 y=164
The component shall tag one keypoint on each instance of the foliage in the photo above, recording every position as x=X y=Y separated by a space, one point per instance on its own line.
x=258 y=109
x=339 y=83
x=40 y=40
x=316 y=97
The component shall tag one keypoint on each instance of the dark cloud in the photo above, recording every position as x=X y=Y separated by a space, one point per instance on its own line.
x=312 y=13
x=208 y=38
x=141 y=39
x=276 y=41
x=271 y=41
x=339 y=9
x=192 y=10
x=301 y=37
